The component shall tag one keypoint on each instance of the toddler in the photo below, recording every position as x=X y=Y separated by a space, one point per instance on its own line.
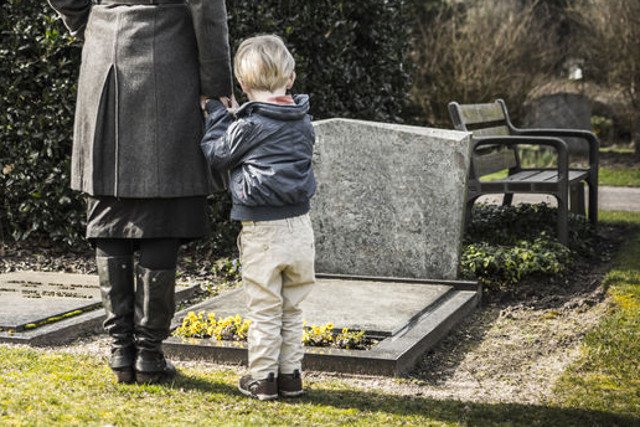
x=265 y=152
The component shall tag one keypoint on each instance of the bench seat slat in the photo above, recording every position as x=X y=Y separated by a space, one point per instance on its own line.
x=521 y=176
x=533 y=176
x=492 y=131
x=481 y=113
x=542 y=176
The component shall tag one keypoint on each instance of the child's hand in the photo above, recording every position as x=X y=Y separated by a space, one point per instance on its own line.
x=234 y=103
x=230 y=103
x=203 y=103
x=226 y=101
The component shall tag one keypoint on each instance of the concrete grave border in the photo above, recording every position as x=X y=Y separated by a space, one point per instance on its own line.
x=393 y=355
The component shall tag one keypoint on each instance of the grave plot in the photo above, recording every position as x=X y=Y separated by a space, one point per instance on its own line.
x=405 y=317
x=51 y=308
x=389 y=220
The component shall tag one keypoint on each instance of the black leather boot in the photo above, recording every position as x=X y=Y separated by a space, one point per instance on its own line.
x=117 y=290
x=154 y=308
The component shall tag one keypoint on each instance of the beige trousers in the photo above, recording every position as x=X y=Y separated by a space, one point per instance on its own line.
x=277 y=273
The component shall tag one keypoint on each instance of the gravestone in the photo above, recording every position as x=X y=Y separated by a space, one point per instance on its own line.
x=32 y=297
x=388 y=219
x=50 y=308
x=561 y=110
x=390 y=200
x=354 y=304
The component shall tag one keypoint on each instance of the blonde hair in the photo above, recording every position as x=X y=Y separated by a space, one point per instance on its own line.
x=263 y=63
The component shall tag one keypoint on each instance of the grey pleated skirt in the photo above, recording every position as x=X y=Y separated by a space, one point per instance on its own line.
x=184 y=218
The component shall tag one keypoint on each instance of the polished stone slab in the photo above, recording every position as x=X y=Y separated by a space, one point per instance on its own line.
x=33 y=305
x=390 y=199
x=31 y=297
x=380 y=308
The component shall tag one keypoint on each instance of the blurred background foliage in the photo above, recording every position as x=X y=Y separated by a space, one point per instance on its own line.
x=385 y=60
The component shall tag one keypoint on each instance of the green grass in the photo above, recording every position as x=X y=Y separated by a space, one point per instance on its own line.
x=620 y=177
x=607 y=374
x=611 y=176
x=615 y=177
x=38 y=388
x=601 y=388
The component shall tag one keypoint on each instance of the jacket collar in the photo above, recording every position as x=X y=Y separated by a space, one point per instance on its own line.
x=277 y=111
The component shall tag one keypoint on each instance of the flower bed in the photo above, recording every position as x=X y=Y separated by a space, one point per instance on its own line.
x=235 y=328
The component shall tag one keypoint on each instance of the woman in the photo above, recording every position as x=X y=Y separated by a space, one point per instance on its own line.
x=145 y=65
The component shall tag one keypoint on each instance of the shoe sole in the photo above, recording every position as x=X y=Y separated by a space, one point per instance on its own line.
x=261 y=397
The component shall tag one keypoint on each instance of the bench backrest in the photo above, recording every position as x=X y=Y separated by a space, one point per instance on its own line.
x=489 y=119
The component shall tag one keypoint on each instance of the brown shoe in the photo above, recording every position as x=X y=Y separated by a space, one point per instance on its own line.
x=266 y=389
x=290 y=385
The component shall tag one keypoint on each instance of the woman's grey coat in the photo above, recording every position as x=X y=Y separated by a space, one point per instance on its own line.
x=138 y=122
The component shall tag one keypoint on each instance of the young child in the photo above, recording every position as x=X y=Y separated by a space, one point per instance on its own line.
x=266 y=151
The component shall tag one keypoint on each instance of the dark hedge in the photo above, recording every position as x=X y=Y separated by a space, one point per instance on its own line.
x=350 y=59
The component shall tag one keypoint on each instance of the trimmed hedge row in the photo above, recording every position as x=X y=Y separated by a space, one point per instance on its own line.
x=351 y=59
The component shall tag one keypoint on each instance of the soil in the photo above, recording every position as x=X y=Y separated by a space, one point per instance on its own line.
x=512 y=349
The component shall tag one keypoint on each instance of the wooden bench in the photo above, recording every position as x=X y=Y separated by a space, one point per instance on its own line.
x=495 y=140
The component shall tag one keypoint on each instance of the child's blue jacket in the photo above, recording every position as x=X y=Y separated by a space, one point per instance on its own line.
x=267 y=150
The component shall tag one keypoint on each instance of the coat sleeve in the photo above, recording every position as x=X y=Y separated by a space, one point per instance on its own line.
x=212 y=36
x=226 y=140
x=74 y=13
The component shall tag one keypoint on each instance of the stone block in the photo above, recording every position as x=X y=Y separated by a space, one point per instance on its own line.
x=390 y=199
x=378 y=307
x=43 y=308
x=561 y=110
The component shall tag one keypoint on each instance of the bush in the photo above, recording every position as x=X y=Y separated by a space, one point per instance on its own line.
x=609 y=41
x=350 y=58
x=39 y=66
x=506 y=244
x=480 y=50
x=504 y=265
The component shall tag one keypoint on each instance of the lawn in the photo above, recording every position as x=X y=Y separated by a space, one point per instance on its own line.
x=617 y=167
x=44 y=387
x=619 y=177
x=609 y=176
x=607 y=375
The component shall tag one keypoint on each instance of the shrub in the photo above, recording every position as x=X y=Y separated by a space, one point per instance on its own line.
x=503 y=265
x=480 y=50
x=350 y=56
x=39 y=66
x=506 y=244
x=609 y=41
x=507 y=225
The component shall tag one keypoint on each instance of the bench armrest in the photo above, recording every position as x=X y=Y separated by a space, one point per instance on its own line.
x=512 y=141
x=591 y=139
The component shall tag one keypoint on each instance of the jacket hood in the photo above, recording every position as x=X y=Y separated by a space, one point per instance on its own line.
x=277 y=111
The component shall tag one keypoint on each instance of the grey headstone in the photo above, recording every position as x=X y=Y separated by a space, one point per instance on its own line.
x=390 y=199
x=381 y=307
x=561 y=111
x=30 y=297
